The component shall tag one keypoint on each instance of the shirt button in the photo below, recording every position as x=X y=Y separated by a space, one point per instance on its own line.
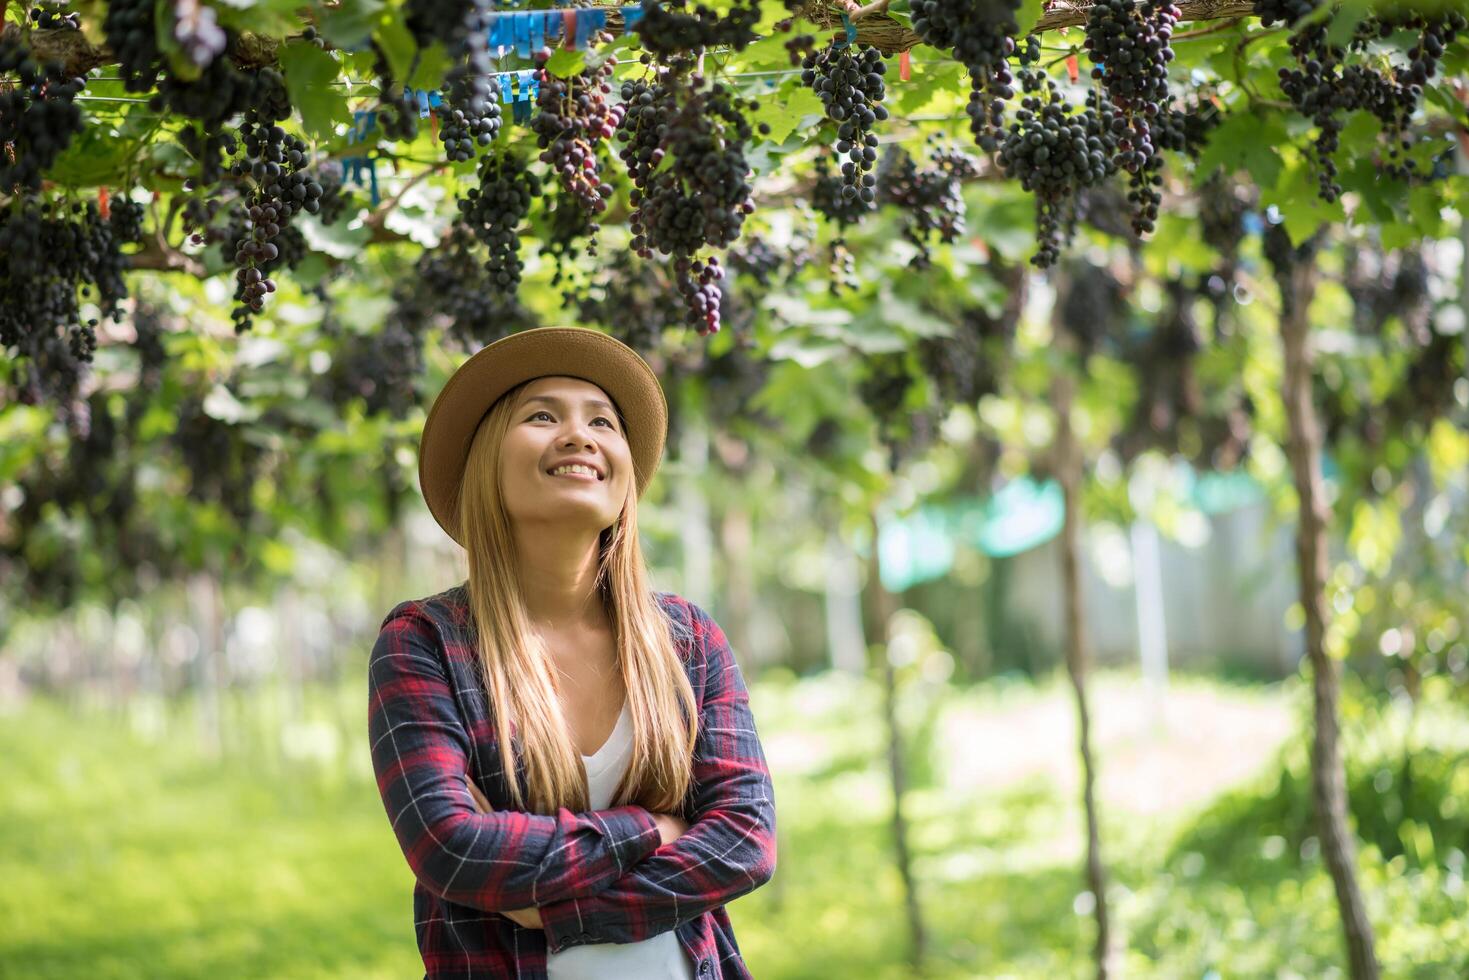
x=704 y=968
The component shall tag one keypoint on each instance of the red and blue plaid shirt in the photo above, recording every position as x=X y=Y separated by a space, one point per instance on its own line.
x=597 y=877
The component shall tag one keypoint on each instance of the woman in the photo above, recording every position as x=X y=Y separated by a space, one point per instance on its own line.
x=641 y=802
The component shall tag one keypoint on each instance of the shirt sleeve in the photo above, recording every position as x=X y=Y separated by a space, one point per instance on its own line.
x=491 y=861
x=729 y=849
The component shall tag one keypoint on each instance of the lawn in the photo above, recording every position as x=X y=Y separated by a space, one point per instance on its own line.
x=130 y=853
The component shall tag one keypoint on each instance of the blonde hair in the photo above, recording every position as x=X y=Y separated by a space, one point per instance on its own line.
x=519 y=678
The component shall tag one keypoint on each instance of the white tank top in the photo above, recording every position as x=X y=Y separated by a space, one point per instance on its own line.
x=660 y=957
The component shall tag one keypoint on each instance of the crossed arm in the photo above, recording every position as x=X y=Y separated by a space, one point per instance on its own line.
x=729 y=848
x=490 y=861
x=599 y=876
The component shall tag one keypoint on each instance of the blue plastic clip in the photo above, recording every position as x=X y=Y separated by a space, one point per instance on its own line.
x=631 y=15
x=372 y=173
x=589 y=22
x=538 y=25
x=851 y=32
x=521 y=22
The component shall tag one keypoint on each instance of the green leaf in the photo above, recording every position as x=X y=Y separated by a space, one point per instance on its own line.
x=565 y=63
x=310 y=74
x=432 y=65
x=786 y=109
x=398 y=46
x=350 y=22
x=1028 y=15
x=1245 y=140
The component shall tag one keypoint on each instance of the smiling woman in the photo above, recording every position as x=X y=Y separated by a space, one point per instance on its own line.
x=567 y=757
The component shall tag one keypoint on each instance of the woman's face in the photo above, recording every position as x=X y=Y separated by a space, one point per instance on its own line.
x=559 y=420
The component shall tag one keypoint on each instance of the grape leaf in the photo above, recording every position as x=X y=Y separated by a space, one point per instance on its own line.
x=565 y=63
x=1028 y=15
x=350 y=22
x=310 y=74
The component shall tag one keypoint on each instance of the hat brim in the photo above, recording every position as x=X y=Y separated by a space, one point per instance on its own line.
x=577 y=352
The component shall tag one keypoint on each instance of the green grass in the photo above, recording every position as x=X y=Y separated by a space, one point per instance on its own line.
x=131 y=853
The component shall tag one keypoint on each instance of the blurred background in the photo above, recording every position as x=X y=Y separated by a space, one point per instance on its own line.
x=1100 y=580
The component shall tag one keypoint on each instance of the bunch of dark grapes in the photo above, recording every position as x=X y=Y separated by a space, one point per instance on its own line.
x=133 y=40
x=754 y=257
x=48 y=17
x=572 y=120
x=1092 y=307
x=701 y=199
x=1055 y=152
x=38 y=115
x=828 y=201
x=494 y=210
x=930 y=198
x=568 y=231
x=669 y=29
x=848 y=80
x=450 y=22
x=903 y=430
x=222 y=463
x=981 y=35
x=397 y=112
x=1130 y=47
x=470 y=117
x=451 y=288
x=1328 y=82
x=633 y=300
x=275 y=163
x=471 y=114
x=56 y=255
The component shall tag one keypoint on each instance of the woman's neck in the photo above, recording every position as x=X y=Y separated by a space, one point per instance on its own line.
x=558 y=574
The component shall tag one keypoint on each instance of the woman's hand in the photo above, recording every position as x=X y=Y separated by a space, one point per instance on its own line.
x=531 y=917
x=670 y=827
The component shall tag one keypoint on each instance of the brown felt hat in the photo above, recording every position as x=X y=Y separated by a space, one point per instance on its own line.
x=576 y=352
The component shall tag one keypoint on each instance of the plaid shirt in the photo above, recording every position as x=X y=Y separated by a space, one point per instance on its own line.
x=597 y=877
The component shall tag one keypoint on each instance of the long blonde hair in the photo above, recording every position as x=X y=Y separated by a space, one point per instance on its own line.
x=516 y=669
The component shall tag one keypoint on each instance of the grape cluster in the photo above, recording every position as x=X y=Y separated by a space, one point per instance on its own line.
x=903 y=430
x=848 y=80
x=701 y=199
x=930 y=198
x=981 y=36
x=669 y=29
x=573 y=119
x=222 y=464
x=451 y=287
x=470 y=117
x=281 y=186
x=1055 y=152
x=56 y=255
x=1330 y=80
x=450 y=22
x=494 y=210
x=567 y=231
x=634 y=300
x=47 y=17
x=38 y=116
x=1130 y=47
x=397 y=112
x=133 y=41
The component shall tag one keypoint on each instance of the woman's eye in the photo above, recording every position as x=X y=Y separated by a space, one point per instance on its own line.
x=545 y=413
x=600 y=418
